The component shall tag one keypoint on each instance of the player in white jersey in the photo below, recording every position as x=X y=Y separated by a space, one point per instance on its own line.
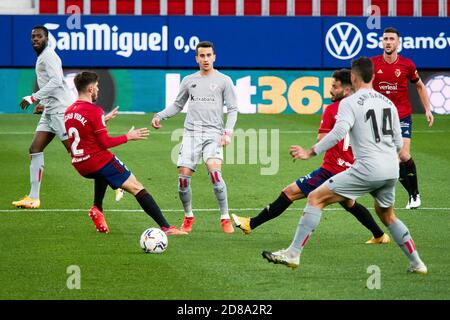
x=55 y=97
x=207 y=90
x=373 y=124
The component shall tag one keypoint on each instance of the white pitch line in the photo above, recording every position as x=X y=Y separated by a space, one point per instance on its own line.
x=268 y=129
x=196 y=210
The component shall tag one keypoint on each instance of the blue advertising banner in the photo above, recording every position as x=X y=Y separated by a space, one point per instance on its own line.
x=241 y=42
x=149 y=41
x=424 y=40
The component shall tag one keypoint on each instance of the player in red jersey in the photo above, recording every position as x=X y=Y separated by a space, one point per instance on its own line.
x=392 y=73
x=89 y=144
x=336 y=160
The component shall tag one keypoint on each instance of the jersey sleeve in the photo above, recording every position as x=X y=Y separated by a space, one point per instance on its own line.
x=326 y=123
x=397 y=138
x=230 y=99
x=101 y=132
x=98 y=121
x=346 y=113
x=54 y=71
x=413 y=75
x=178 y=105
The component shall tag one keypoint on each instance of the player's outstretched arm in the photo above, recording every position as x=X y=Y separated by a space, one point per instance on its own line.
x=298 y=152
x=423 y=94
x=174 y=108
x=112 y=114
x=138 y=134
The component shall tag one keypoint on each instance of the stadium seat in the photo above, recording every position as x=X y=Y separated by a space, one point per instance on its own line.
x=430 y=8
x=303 y=8
x=278 y=7
x=201 y=7
x=328 y=7
x=225 y=7
x=252 y=7
x=354 y=7
x=150 y=7
x=383 y=4
x=405 y=8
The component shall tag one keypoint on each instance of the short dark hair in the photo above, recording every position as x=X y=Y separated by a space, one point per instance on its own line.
x=344 y=76
x=392 y=30
x=363 y=67
x=44 y=29
x=204 y=44
x=84 y=79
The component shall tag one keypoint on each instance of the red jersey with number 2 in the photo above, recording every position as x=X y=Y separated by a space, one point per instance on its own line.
x=340 y=157
x=85 y=125
x=391 y=79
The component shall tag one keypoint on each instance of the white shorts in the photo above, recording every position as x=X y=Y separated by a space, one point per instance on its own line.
x=194 y=149
x=348 y=185
x=53 y=123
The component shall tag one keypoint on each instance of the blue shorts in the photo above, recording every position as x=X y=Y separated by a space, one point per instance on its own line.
x=313 y=180
x=406 y=126
x=115 y=173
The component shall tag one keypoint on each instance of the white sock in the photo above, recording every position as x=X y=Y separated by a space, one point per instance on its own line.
x=36 y=172
x=185 y=193
x=307 y=224
x=220 y=190
x=402 y=237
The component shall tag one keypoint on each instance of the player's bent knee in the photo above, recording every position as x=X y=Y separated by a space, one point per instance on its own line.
x=347 y=204
x=185 y=171
x=314 y=199
x=132 y=185
x=404 y=156
x=293 y=192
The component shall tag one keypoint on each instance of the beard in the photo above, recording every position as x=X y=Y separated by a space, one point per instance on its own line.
x=39 y=49
x=336 y=97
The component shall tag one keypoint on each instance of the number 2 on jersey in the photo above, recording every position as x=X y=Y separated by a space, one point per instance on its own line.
x=73 y=133
x=386 y=129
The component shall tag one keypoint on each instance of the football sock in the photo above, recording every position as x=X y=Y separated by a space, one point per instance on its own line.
x=36 y=171
x=363 y=215
x=100 y=186
x=272 y=211
x=404 y=178
x=411 y=176
x=220 y=190
x=185 y=193
x=402 y=237
x=151 y=208
x=308 y=222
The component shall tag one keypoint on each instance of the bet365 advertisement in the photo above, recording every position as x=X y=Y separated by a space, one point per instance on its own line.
x=258 y=91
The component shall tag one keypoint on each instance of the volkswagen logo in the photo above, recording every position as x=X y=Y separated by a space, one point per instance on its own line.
x=344 y=40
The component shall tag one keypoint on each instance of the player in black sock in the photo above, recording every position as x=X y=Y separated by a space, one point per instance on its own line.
x=336 y=160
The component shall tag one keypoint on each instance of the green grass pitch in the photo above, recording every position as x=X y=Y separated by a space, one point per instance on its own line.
x=38 y=246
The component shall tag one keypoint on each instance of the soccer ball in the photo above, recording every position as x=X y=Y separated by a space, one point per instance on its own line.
x=154 y=240
x=438 y=89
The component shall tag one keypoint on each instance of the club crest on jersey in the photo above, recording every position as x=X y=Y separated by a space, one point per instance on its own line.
x=380 y=71
x=213 y=86
x=397 y=73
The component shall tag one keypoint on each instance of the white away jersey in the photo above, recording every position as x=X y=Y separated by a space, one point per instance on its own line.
x=373 y=124
x=53 y=91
